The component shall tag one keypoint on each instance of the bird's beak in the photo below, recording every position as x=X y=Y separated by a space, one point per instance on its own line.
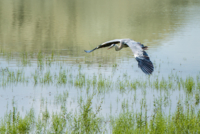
x=111 y=46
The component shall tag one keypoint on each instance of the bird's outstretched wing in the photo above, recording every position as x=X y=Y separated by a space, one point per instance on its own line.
x=105 y=44
x=142 y=57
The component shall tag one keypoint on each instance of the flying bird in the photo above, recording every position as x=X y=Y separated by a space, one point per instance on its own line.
x=137 y=48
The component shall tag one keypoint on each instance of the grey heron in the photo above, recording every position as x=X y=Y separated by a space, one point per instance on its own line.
x=137 y=48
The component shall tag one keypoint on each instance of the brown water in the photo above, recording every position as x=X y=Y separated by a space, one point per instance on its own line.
x=170 y=28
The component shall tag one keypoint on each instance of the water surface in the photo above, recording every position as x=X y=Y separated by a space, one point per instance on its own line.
x=64 y=29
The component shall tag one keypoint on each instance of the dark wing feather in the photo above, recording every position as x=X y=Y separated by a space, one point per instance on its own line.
x=105 y=44
x=109 y=43
x=146 y=55
x=145 y=64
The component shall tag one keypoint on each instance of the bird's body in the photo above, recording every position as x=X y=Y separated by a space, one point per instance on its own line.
x=137 y=48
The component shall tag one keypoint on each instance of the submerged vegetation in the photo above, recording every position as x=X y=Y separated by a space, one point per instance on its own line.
x=148 y=104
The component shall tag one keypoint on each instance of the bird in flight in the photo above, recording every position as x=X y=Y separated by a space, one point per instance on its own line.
x=137 y=48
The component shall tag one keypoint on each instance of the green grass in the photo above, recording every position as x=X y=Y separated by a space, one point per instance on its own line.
x=87 y=120
x=182 y=121
x=189 y=84
x=13 y=123
x=62 y=77
x=92 y=90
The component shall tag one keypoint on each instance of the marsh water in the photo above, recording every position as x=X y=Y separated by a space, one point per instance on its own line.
x=41 y=39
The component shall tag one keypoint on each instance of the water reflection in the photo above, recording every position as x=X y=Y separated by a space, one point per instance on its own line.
x=73 y=25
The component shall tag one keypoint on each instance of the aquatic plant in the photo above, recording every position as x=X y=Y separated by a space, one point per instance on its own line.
x=47 y=79
x=189 y=84
x=14 y=123
x=87 y=121
x=182 y=121
x=62 y=77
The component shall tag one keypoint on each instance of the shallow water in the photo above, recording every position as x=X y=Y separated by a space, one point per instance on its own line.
x=66 y=28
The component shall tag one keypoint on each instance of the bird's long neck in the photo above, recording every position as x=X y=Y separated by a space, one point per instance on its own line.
x=117 y=48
